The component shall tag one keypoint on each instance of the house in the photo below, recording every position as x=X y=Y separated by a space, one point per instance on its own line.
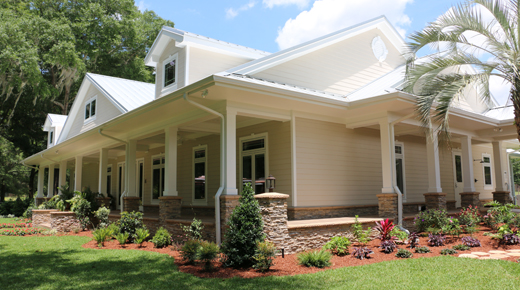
x=326 y=118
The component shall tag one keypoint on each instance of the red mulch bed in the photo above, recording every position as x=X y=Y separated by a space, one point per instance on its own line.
x=289 y=264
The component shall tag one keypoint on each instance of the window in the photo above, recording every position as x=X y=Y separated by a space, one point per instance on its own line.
x=51 y=137
x=254 y=161
x=90 y=109
x=109 y=180
x=170 y=72
x=399 y=168
x=199 y=174
x=486 y=168
x=157 y=177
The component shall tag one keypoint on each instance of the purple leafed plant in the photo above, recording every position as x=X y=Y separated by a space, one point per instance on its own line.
x=470 y=241
x=362 y=253
x=387 y=246
x=385 y=227
x=413 y=240
x=510 y=239
x=436 y=240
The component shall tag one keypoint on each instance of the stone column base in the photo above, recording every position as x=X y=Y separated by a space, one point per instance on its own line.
x=387 y=205
x=39 y=201
x=469 y=198
x=131 y=203
x=169 y=208
x=451 y=204
x=502 y=196
x=103 y=201
x=435 y=200
x=227 y=205
x=273 y=207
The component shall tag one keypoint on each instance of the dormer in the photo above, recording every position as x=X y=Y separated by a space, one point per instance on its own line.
x=54 y=125
x=181 y=58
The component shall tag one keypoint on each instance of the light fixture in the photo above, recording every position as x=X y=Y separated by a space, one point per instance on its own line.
x=270 y=183
x=498 y=129
x=204 y=93
x=480 y=160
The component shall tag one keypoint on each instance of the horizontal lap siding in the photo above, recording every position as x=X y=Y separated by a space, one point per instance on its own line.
x=447 y=175
x=204 y=63
x=337 y=166
x=181 y=67
x=340 y=68
x=416 y=167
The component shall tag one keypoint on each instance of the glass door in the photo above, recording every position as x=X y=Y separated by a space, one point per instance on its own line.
x=458 y=182
x=120 y=182
x=254 y=168
x=399 y=169
x=140 y=179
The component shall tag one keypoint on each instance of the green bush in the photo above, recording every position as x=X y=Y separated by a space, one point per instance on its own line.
x=162 y=238
x=121 y=237
x=422 y=250
x=15 y=207
x=435 y=219
x=244 y=232
x=469 y=216
x=140 y=236
x=361 y=236
x=319 y=259
x=264 y=255
x=114 y=229
x=461 y=247
x=81 y=207
x=101 y=235
x=398 y=234
x=102 y=215
x=130 y=222
x=190 y=250
x=207 y=252
x=338 y=246
x=194 y=230
x=403 y=253
x=448 y=252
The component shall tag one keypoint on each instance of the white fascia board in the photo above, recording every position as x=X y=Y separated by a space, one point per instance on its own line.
x=85 y=85
x=227 y=49
x=380 y=23
x=160 y=43
x=106 y=94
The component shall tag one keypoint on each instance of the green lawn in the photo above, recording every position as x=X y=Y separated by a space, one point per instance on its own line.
x=61 y=263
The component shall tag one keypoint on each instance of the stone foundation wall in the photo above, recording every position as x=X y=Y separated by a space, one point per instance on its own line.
x=387 y=205
x=64 y=221
x=305 y=213
x=42 y=216
x=174 y=228
x=151 y=209
x=131 y=203
x=198 y=211
x=502 y=196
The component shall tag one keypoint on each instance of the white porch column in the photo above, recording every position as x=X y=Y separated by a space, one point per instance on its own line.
x=387 y=135
x=434 y=170
x=130 y=160
x=41 y=177
x=500 y=164
x=63 y=174
x=170 y=154
x=50 y=182
x=103 y=164
x=231 y=153
x=467 y=164
x=78 y=172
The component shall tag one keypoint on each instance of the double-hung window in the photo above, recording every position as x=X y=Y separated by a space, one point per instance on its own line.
x=486 y=168
x=157 y=177
x=90 y=109
x=199 y=176
x=51 y=137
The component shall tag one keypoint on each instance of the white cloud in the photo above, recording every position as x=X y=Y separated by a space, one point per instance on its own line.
x=327 y=16
x=232 y=13
x=300 y=3
x=142 y=6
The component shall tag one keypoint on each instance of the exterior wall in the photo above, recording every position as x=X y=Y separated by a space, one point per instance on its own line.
x=171 y=49
x=339 y=68
x=447 y=175
x=105 y=111
x=203 y=63
x=90 y=176
x=416 y=167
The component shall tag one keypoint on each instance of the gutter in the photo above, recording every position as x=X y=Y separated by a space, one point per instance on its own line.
x=223 y=159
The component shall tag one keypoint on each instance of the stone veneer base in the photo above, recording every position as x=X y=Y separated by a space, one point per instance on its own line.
x=169 y=208
x=502 y=196
x=131 y=203
x=469 y=198
x=387 y=205
x=435 y=200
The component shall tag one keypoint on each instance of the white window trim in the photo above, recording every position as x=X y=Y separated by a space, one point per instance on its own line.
x=401 y=156
x=484 y=165
x=171 y=87
x=90 y=118
x=137 y=161
x=265 y=150
x=120 y=180
x=199 y=160
x=162 y=155
x=111 y=179
x=51 y=140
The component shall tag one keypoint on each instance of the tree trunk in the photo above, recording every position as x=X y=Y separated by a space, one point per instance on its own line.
x=515 y=97
x=3 y=190
x=31 y=183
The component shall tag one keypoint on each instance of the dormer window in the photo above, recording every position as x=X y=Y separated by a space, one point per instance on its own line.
x=51 y=137
x=90 y=109
x=170 y=72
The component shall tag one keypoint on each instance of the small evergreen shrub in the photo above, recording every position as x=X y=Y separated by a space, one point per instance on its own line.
x=245 y=231
x=190 y=250
x=130 y=222
x=122 y=238
x=470 y=242
x=140 y=235
x=338 y=246
x=403 y=253
x=207 y=252
x=362 y=253
x=319 y=259
x=101 y=235
x=422 y=250
x=388 y=246
x=461 y=247
x=162 y=238
x=264 y=255
x=194 y=230
x=102 y=215
x=448 y=252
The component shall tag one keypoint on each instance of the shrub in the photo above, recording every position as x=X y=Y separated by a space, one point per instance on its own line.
x=194 y=230
x=101 y=235
x=452 y=228
x=469 y=216
x=413 y=240
x=422 y=250
x=431 y=219
x=401 y=236
x=102 y=215
x=387 y=246
x=338 y=246
x=130 y=222
x=244 y=232
x=471 y=229
x=461 y=247
x=190 y=250
x=162 y=238
x=207 y=252
x=470 y=242
x=510 y=239
x=319 y=259
x=500 y=213
x=81 y=207
x=436 y=240
x=141 y=235
x=384 y=228
x=361 y=236
x=114 y=229
x=362 y=253
x=448 y=252
x=264 y=255
x=28 y=212
x=403 y=253
x=121 y=238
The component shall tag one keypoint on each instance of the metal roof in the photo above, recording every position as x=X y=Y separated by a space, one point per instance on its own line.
x=501 y=113
x=385 y=84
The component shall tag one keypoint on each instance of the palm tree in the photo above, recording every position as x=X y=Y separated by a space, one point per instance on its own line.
x=474 y=41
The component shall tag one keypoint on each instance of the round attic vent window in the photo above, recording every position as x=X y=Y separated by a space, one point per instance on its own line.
x=379 y=49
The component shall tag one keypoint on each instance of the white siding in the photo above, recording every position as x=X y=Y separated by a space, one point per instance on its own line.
x=181 y=67
x=203 y=63
x=340 y=68
x=447 y=175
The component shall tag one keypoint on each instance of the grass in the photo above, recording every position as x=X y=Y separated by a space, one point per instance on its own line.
x=61 y=263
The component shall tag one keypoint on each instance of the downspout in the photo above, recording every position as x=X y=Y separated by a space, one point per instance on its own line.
x=100 y=131
x=396 y=189
x=222 y=163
